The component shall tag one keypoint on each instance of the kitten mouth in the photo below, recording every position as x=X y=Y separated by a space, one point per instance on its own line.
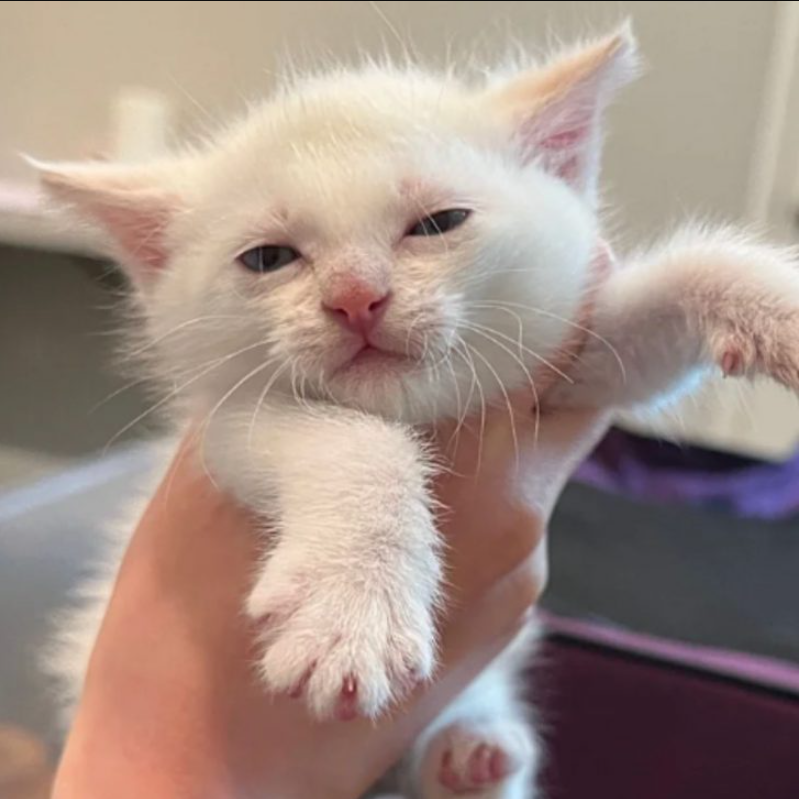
x=371 y=356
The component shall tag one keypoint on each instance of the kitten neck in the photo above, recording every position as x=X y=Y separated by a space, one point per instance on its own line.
x=603 y=264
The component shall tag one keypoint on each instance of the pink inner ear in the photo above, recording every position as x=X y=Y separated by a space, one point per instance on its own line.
x=560 y=142
x=139 y=231
x=564 y=154
x=564 y=139
x=570 y=170
x=562 y=133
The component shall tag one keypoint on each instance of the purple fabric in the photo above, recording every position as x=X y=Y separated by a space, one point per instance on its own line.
x=652 y=470
x=619 y=726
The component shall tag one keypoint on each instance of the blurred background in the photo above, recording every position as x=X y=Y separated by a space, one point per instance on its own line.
x=709 y=130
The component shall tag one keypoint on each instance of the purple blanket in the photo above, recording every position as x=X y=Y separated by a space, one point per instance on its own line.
x=652 y=470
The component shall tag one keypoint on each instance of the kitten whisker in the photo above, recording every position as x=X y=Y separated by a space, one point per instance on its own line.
x=206 y=424
x=484 y=333
x=262 y=398
x=466 y=355
x=298 y=388
x=293 y=381
x=540 y=358
x=121 y=390
x=182 y=326
x=441 y=354
x=306 y=403
x=410 y=332
x=458 y=402
x=468 y=403
x=506 y=397
x=593 y=334
x=172 y=394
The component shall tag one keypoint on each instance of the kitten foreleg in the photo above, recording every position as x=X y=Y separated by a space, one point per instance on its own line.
x=345 y=597
x=706 y=298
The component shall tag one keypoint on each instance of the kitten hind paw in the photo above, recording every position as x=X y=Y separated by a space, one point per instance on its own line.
x=479 y=760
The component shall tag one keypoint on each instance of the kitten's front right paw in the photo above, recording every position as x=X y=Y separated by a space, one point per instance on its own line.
x=352 y=646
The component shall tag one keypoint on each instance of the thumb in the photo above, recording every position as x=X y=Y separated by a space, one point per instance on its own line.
x=560 y=441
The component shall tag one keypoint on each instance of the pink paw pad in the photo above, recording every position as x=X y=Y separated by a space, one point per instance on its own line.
x=484 y=766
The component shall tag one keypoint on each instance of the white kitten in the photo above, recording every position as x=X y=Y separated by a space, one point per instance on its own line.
x=375 y=249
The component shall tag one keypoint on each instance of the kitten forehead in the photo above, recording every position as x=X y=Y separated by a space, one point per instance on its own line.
x=345 y=117
x=340 y=149
x=373 y=103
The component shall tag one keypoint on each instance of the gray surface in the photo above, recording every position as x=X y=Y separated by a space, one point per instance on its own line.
x=48 y=536
x=690 y=574
x=59 y=336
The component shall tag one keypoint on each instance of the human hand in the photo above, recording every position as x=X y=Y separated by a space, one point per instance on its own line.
x=171 y=707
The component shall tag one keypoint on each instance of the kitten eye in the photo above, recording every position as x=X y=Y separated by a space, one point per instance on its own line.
x=268 y=258
x=441 y=222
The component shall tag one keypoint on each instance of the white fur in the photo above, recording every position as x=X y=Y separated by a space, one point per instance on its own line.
x=670 y=314
x=352 y=581
x=340 y=167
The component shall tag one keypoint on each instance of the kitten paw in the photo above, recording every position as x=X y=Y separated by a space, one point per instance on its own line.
x=478 y=760
x=772 y=350
x=349 y=647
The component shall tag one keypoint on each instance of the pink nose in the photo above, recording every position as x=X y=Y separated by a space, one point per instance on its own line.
x=359 y=308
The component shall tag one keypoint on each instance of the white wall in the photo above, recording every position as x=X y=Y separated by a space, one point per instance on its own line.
x=681 y=139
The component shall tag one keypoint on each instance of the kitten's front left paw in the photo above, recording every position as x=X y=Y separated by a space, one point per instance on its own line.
x=773 y=350
x=349 y=645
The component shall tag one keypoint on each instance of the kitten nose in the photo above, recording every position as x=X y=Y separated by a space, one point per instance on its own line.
x=359 y=307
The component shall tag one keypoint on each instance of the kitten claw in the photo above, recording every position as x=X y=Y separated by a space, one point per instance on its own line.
x=340 y=672
x=348 y=703
x=297 y=691
x=732 y=363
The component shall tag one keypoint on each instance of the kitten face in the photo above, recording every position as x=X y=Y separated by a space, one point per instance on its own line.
x=362 y=298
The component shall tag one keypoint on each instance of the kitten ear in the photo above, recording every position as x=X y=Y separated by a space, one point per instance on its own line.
x=555 y=113
x=131 y=204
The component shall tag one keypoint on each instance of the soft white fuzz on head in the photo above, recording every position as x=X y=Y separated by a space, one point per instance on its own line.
x=337 y=170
